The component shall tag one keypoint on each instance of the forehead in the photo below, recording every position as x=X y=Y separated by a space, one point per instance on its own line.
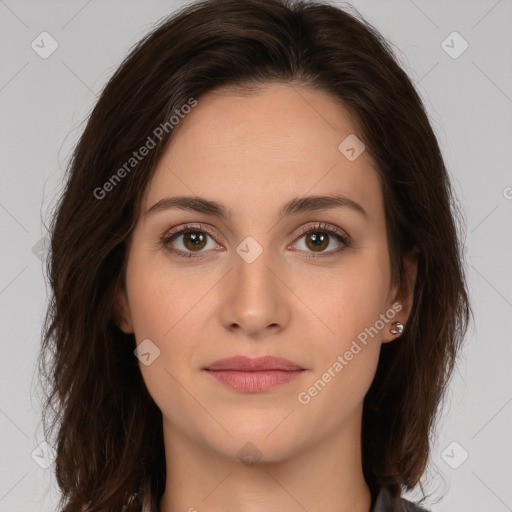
x=279 y=141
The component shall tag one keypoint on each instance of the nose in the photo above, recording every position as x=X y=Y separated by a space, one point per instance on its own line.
x=255 y=299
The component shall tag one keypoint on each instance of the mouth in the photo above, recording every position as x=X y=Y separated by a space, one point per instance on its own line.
x=254 y=375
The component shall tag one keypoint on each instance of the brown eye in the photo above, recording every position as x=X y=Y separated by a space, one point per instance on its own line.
x=317 y=241
x=194 y=240
x=190 y=241
x=319 y=238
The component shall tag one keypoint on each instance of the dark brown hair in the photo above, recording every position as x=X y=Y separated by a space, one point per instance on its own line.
x=109 y=442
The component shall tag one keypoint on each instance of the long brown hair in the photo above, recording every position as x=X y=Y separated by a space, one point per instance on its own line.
x=109 y=442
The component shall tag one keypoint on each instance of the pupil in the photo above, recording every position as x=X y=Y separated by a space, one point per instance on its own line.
x=318 y=239
x=195 y=239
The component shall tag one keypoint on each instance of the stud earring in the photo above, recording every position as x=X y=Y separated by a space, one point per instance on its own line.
x=399 y=328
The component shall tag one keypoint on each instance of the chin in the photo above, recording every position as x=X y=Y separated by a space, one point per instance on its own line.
x=250 y=446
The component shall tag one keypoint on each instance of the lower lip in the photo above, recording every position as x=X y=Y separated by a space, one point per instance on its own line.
x=254 y=382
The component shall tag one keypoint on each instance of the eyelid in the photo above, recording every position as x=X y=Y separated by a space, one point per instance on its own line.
x=342 y=237
x=345 y=239
x=322 y=226
x=167 y=237
x=190 y=226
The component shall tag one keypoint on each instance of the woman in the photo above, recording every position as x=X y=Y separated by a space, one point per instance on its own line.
x=258 y=295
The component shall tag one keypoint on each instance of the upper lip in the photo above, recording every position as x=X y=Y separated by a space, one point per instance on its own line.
x=248 y=364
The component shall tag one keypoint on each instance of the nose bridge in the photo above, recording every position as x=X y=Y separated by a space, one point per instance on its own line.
x=253 y=273
x=255 y=300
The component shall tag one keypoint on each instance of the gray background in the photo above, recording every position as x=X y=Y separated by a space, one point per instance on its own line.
x=43 y=103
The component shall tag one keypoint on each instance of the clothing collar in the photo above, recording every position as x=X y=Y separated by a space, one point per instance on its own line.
x=379 y=502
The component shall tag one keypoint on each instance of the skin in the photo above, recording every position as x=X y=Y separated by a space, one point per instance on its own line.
x=198 y=310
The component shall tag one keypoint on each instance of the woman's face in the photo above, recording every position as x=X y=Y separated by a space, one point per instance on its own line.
x=257 y=283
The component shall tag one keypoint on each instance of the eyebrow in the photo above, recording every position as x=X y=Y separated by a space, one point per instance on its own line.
x=293 y=207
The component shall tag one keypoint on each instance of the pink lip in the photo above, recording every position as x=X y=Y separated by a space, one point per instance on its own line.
x=256 y=364
x=254 y=375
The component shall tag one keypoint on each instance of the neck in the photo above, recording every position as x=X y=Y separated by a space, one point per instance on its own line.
x=325 y=476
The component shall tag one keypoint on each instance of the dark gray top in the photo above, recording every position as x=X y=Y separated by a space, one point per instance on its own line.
x=405 y=505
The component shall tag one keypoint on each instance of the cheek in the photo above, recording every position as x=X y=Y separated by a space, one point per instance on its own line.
x=159 y=298
x=168 y=306
x=347 y=299
x=345 y=362
x=350 y=304
x=160 y=307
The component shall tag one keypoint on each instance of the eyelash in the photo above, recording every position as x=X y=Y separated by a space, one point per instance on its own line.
x=167 y=238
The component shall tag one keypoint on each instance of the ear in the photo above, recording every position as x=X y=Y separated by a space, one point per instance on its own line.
x=122 y=315
x=404 y=295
